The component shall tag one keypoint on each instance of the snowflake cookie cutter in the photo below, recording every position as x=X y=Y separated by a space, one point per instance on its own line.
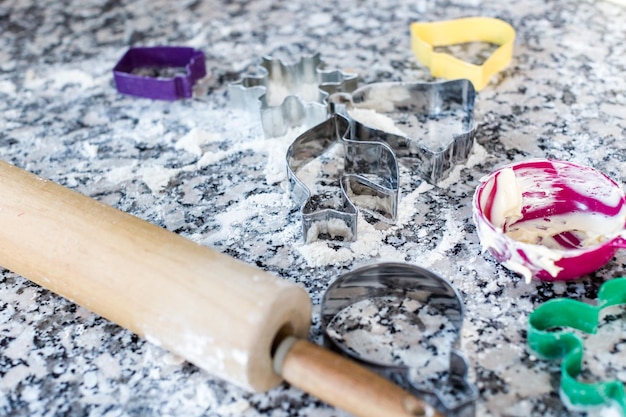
x=425 y=36
x=130 y=80
x=565 y=345
x=289 y=94
x=369 y=180
x=429 y=125
x=401 y=281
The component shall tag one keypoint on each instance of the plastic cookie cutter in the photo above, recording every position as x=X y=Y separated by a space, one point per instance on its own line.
x=426 y=36
x=430 y=126
x=377 y=315
x=369 y=180
x=551 y=220
x=160 y=72
x=565 y=345
x=290 y=95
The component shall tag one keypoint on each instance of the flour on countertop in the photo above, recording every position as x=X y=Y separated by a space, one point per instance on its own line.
x=156 y=177
x=193 y=141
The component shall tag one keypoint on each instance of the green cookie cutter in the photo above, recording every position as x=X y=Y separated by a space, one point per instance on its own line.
x=564 y=312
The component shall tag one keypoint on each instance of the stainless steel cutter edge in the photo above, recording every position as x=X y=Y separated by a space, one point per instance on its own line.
x=398 y=279
x=371 y=170
x=426 y=98
x=250 y=93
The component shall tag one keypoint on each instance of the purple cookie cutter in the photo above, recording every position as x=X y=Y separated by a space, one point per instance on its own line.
x=129 y=80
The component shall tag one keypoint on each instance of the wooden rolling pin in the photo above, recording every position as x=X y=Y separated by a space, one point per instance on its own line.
x=219 y=313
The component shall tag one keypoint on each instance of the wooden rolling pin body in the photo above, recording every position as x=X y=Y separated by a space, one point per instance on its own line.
x=217 y=312
x=224 y=316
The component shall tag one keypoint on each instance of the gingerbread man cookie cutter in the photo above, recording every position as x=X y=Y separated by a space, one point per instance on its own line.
x=569 y=347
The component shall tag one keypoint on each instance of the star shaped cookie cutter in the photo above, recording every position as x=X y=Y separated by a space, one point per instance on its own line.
x=369 y=179
x=565 y=345
x=133 y=72
x=290 y=94
x=429 y=126
x=399 y=281
x=425 y=36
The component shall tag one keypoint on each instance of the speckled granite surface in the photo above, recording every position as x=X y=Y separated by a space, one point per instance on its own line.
x=198 y=169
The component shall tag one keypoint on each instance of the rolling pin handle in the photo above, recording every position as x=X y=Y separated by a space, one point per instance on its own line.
x=342 y=383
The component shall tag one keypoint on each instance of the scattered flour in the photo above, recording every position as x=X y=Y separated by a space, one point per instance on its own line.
x=275 y=169
x=233 y=409
x=479 y=154
x=372 y=118
x=156 y=177
x=455 y=232
x=369 y=241
x=192 y=142
x=120 y=174
x=58 y=79
x=7 y=87
x=89 y=150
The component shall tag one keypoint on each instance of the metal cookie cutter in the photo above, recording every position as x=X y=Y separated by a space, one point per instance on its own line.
x=430 y=126
x=397 y=281
x=140 y=72
x=564 y=344
x=290 y=94
x=369 y=180
x=425 y=36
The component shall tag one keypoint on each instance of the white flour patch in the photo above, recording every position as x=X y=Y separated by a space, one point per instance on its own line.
x=479 y=154
x=240 y=213
x=7 y=87
x=276 y=167
x=156 y=177
x=149 y=130
x=369 y=241
x=193 y=141
x=71 y=76
x=454 y=233
x=372 y=118
x=89 y=150
x=120 y=174
x=210 y=158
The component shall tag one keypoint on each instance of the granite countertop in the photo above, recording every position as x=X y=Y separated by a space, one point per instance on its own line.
x=202 y=170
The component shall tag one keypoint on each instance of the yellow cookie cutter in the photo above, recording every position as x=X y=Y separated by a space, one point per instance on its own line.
x=425 y=36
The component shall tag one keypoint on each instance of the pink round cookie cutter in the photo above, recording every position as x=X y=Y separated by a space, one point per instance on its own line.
x=550 y=190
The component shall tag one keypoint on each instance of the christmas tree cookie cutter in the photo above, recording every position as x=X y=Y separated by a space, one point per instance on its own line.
x=289 y=94
x=425 y=36
x=400 y=281
x=565 y=345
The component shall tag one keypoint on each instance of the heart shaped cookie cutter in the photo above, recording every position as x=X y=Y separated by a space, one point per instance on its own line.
x=566 y=345
x=398 y=281
x=425 y=36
